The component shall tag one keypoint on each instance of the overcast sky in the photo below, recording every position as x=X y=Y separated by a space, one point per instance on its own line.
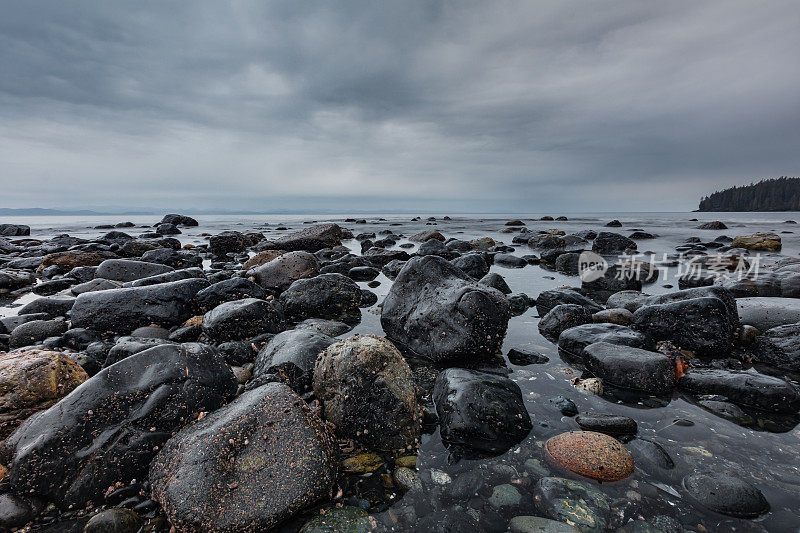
x=457 y=105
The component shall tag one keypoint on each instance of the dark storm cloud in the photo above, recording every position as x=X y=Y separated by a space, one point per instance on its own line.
x=476 y=105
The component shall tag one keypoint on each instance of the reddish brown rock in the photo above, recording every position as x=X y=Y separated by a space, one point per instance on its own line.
x=590 y=454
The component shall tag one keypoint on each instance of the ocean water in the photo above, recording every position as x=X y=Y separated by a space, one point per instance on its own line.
x=761 y=448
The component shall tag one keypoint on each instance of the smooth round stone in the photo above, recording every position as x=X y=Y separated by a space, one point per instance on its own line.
x=114 y=521
x=362 y=463
x=538 y=524
x=590 y=454
x=505 y=496
x=407 y=479
x=652 y=453
x=726 y=494
x=608 y=424
x=768 y=312
x=577 y=504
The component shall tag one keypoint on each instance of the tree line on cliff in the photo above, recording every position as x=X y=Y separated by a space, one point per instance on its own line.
x=777 y=194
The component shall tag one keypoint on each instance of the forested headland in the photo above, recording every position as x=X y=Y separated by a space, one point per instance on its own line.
x=777 y=194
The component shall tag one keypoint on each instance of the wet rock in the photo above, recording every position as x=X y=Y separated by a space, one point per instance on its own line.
x=407 y=479
x=324 y=296
x=363 y=463
x=367 y=392
x=780 y=347
x=31 y=381
x=703 y=325
x=312 y=238
x=608 y=243
x=363 y=273
x=725 y=494
x=504 y=496
x=480 y=411
x=474 y=265
x=761 y=241
x=521 y=357
x=630 y=300
x=332 y=328
x=426 y=236
x=547 y=300
x=630 y=368
x=483 y=243
x=563 y=317
x=509 y=261
x=618 y=315
x=11 y=281
x=284 y=270
x=650 y=452
x=168 y=229
x=35 y=331
x=495 y=281
x=614 y=425
x=173 y=258
x=51 y=306
x=129 y=270
x=16 y=511
x=568 y=263
x=614 y=224
x=53 y=286
x=565 y=405
x=618 y=277
x=243 y=319
x=744 y=388
x=227 y=291
x=515 y=223
x=437 y=312
x=227 y=242
x=179 y=220
x=573 y=341
x=577 y=504
x=130 y=345
x=68 y=260
x=716 y=224
x=765 y=313
x=107 y=430
x=590 y=454
x=208 y=476
x=14 y=230
x=95 y=285
x=123 y=310
x=114 y=521
x=393 y=268
x=292 y=354
x=262 y=258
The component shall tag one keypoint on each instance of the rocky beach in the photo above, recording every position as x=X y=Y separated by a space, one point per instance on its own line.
x=400 y=373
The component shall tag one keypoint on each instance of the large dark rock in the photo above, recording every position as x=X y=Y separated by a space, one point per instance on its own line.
x=367 y=391
x=563 y=317
x=744 y=388
x=173 y=258
x=609 y=243
x=285 y=269
x=547 y=300
x=780 y=347
x=228 y=242
x=438 y=312
x=247 y=466
x=312 y=238
x=108 y=429
x=479 y=411
x=292 y=354
x=35 y=331
x=130 y=345
x=703 y=325
x=323 y=296
x=725 y=494
x=573 y=342
x=631 y=368
x=623 y=276
x=227 y=291
x=474 y=265
x=175 y=275
x=123 y=310
x=243 y=319
x=179 y=220
x=129 y=270
x=14 y=230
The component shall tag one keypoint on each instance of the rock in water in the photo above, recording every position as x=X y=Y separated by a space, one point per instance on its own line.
x=440 y=313
x=312 y=239
x=563 y=317
x=123 y=310
x=247 y=466
x=31 y=381
x=577 y=504
x=726 y=494
x=367 y=392
x=285 y=269
x=590 y=454
x=631 y=368
x=108 y=429
x=323 y=296
x=114 y=521
x=780 y=347
x=480 y=411
x=761 y=241
x=763 y=392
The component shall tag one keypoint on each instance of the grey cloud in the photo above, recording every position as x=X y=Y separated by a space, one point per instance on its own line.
x=486 y=106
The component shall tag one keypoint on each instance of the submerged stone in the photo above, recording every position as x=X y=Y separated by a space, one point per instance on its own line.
x=590 y=454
